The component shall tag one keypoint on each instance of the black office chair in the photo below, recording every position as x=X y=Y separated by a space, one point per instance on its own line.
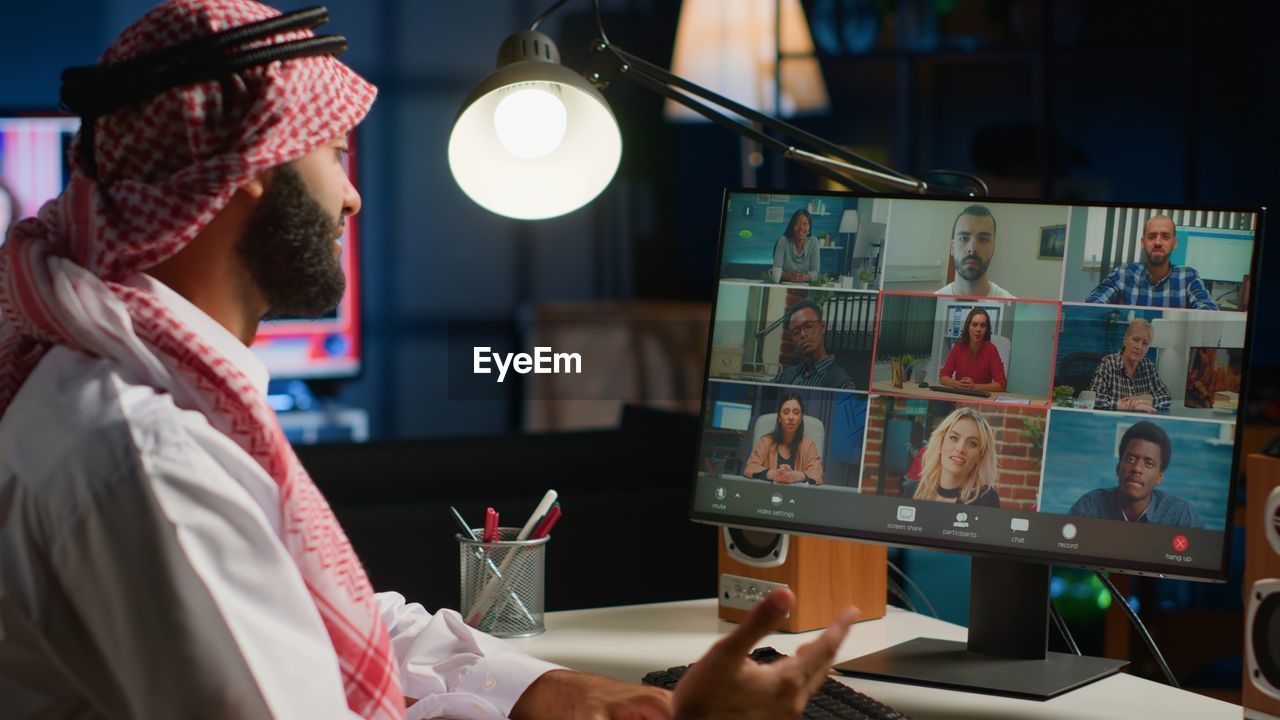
x=1076 y=369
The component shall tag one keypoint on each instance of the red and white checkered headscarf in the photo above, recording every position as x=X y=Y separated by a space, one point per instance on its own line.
x=165 y=168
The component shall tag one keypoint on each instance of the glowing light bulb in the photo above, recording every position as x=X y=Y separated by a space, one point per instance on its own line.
x=530 y=123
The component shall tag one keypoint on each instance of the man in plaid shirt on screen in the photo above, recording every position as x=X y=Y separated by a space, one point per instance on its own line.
x=1155 y=281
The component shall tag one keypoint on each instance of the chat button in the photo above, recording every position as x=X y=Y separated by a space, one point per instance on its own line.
x=1019 y=524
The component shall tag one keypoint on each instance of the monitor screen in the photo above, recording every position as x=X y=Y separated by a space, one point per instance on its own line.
x=35 y=152
x=731 y=416
x=1056 y=383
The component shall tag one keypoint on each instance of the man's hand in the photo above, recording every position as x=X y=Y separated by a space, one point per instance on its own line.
x=726 y=685
x=568 y=695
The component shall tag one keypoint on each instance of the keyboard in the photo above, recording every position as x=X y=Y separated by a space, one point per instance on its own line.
x=960 y=391
x=833 y=701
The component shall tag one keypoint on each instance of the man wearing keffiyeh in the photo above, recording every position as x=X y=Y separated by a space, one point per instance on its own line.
x=162 y=551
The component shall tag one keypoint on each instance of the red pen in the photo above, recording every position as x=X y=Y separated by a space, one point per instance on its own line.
x=547 y=523
x=490 y=525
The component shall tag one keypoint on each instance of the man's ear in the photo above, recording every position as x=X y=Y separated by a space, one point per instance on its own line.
x=257 y=187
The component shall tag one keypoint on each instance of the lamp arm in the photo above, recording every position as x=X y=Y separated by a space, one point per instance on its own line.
x=760 y=335
x=547 y=13
x=817 y=162
x=751 y=133
x=852 y=161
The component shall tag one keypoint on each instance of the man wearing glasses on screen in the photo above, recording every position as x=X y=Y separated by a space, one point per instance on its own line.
x=809 y=336
x=1155 y=281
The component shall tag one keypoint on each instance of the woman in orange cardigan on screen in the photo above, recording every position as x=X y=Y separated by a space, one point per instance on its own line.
x=785 y=455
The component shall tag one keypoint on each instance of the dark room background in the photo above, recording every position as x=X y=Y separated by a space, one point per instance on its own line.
x=1136 y=102
x=1143 y=101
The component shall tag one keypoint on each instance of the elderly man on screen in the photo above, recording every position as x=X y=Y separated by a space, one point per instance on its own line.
x=1155 y=281
x=164 y=554
x=1127 y=380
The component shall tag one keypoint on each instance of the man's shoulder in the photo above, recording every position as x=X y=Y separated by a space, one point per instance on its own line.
x=948 y=289
x=835 y=374
x=76 y=406
x=999 y=292
x=1092 y=502
x=1173 y=504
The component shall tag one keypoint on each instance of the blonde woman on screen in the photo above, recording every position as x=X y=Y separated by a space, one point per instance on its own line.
x=959 y=463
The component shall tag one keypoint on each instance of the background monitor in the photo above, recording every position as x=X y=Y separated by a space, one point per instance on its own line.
x=35 y=165
x=731 y=416
x=1092 y=447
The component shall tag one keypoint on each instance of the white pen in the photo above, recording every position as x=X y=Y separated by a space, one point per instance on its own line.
x=543 y=506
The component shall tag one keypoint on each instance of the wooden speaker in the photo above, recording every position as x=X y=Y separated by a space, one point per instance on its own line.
x=825 y=575
x=1262 y=587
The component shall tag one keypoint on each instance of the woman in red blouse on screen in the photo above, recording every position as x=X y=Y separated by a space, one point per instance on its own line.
x=974 y=363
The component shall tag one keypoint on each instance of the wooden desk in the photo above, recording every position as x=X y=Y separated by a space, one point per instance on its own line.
x=627 y=642
x=911 y=389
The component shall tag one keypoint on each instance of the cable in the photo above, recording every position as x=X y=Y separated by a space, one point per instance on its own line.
x=915 y=587
x=898 y=592
x=1062 y=628
x=546 y=14
x=1142 y=629
x=599 y=22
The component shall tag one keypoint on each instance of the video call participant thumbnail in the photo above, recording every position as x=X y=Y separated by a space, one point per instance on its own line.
x=785 y=455
x=796 y=253
x=1126 y=379
x=958 y=465
x=1145 y=455
x=973 y=362
x=1155 y=281
x=973 y=246
x=809 y=335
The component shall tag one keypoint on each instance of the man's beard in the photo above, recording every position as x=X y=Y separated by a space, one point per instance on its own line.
x=971 y=273
x=288 y=249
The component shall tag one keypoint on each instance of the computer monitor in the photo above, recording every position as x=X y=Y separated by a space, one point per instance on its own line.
x=35 y=165
x=1030 y=383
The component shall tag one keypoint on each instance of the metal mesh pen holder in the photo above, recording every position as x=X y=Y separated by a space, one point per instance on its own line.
x=504 y=583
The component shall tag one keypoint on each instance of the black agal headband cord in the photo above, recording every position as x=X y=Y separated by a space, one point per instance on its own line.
x=92 y=91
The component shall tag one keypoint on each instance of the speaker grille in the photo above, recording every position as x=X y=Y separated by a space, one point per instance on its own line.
x=755 y=547
x=1271 y=520
x=1263 y=636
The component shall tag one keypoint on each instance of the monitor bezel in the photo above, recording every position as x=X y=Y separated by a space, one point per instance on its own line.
x=1061 y=559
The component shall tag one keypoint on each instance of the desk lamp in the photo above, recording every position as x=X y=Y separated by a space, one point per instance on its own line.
x=535 y=140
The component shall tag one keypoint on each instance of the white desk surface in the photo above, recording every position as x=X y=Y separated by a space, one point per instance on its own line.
x=627 y=642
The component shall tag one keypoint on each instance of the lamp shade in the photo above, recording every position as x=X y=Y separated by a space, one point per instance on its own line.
x=849 y=221
x=534 y=139
x=731 y=47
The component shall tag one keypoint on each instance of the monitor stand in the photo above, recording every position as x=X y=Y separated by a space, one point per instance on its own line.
x=1007 y=652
